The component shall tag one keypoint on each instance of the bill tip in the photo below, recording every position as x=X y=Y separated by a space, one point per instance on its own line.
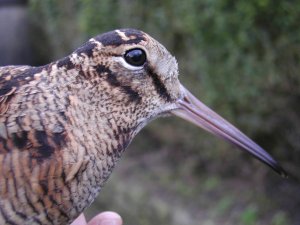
x=282 y=172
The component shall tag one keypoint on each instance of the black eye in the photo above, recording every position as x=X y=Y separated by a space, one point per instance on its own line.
x=135 y=57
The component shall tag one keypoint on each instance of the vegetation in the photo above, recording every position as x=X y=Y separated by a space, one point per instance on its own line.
x=240 y=57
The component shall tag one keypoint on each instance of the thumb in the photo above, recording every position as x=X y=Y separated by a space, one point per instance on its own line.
x=106 y=218
x=80 y=220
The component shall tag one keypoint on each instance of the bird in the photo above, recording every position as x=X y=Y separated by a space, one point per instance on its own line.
x=65 y=125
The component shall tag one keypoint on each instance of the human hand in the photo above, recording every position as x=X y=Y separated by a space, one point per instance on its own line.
x=104 y=218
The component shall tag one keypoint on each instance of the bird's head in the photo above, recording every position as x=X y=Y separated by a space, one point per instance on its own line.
x=140 y=78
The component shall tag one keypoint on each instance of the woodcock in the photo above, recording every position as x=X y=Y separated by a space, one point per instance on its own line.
x=63 y=126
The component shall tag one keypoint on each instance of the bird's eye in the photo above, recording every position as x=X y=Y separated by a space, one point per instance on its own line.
x=135 y=57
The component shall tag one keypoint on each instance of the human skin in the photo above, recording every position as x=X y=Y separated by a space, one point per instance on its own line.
x=104 y=218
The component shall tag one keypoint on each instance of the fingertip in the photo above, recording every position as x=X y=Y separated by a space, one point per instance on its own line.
x=106 y=218
x=80 y=220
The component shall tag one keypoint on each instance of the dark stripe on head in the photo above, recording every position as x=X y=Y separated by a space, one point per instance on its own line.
x=158 y=84
x=133 y=95
x=113 y=81
x=87 y=49
x=113 y=38
x=66 y=62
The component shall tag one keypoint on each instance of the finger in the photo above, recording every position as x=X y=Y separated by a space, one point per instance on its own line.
x=80 y=220
x=106 y=218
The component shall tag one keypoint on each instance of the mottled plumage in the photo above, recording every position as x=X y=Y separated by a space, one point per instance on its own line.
x=63 y=126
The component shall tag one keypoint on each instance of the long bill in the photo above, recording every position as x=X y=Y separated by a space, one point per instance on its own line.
x=194 y=111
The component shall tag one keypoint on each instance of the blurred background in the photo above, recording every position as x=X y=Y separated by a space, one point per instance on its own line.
x=242 y=58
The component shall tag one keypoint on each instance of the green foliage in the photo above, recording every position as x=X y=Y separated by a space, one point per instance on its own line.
x=249 y=216
x=280 y=218
x=211 y=183
x=224 y=206
x=97 y=17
